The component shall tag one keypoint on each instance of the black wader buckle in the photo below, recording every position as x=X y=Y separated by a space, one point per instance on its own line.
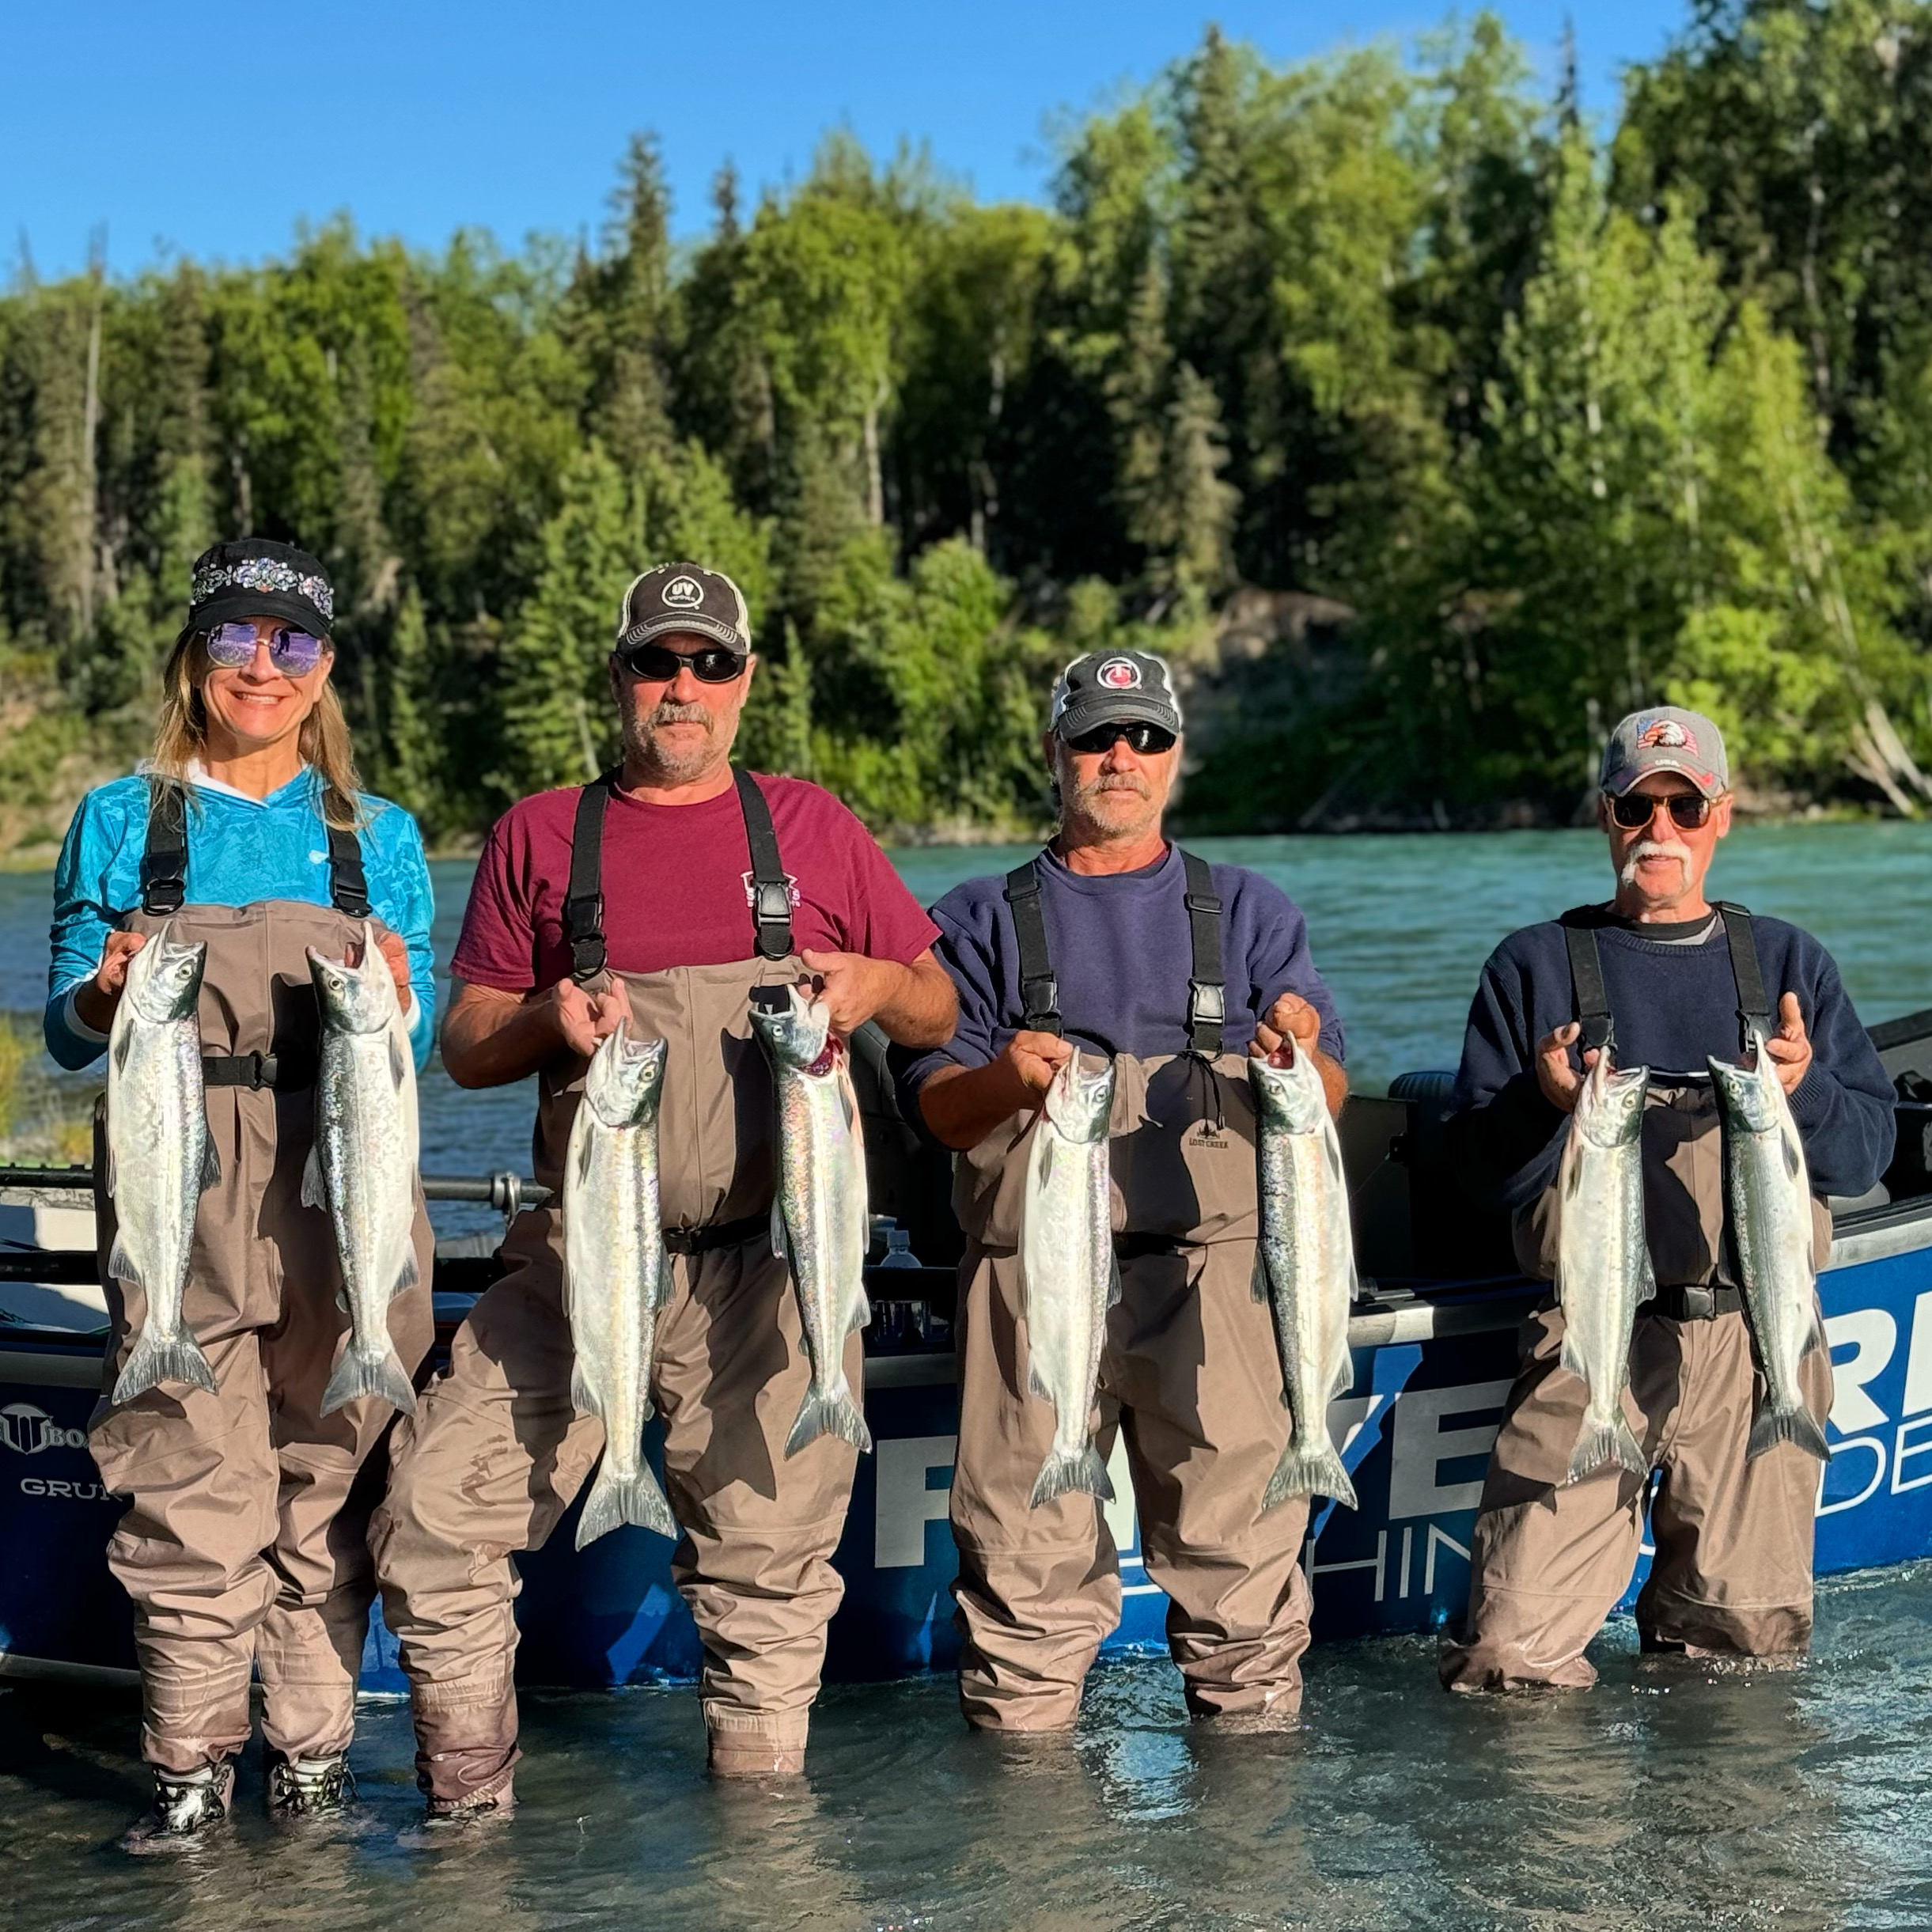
x=165 y=895
x=1699 y=1304
x=772 y=914
x=1207 y=1005
x=583 y=930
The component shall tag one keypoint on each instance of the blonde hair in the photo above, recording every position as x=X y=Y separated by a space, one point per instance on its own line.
x=181 y=733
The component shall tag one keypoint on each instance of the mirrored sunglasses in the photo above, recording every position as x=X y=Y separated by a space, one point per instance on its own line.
x=714 y=665
x=1636 y=810
x=1140 y=737
x=294 y=653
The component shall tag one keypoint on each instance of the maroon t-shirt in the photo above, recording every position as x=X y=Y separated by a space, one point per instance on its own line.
x=677 y=888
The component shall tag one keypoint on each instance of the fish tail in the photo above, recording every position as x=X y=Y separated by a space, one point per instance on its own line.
x=1066 y=1470
x=1793 y=1425
x=1611 y=1443
x=1310 y=1469
x=829 y=1412
x=369 y=1375
x=616 y=1499
x=158 y=1358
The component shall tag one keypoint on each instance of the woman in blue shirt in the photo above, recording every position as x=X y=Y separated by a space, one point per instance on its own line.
x=247 y=831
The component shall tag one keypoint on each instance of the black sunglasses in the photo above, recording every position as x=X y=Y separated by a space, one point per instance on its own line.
x=714 y=665
x=1140 y=737
x=1634 y=810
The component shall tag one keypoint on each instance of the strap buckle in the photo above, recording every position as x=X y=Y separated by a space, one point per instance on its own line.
x=165 y=895
x=772 y=903
x=1040 y=997
x=1207 y=1004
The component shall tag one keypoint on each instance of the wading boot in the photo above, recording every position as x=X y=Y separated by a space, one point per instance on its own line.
x=188 y=1805
x=302 y=1787
x=491 y=1808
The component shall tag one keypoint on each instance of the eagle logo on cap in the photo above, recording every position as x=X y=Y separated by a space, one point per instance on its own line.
x=1118 y=674
x=683 y=593
x=1665 y=734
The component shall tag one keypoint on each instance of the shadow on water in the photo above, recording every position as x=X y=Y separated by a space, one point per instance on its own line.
x=1675 y=1794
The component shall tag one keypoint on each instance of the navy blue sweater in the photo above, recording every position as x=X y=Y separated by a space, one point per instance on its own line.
x=1121 y=949
x=1673 y=1006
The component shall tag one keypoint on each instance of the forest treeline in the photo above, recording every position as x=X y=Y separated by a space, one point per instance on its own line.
x=1546 y=419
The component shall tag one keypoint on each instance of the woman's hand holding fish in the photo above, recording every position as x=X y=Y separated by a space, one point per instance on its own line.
x=395 y=955
x=95 y=999
x=1561 y=1083
x=1790 y=1047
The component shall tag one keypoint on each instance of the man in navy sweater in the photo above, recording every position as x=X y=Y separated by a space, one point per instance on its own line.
x=1116 y=945
x=1732 y=1575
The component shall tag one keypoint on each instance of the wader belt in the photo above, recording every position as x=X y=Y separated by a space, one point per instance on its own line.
x=163 y=865
x=1039 y=990
x=1592 y=1001
x=285 y=1070
x=723 y=1234
x=583 y=905
x=1138 y=1247
x=1693 y=1303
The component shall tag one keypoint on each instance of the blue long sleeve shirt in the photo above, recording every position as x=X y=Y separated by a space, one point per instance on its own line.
x=1673 y=1006
x=240 y=849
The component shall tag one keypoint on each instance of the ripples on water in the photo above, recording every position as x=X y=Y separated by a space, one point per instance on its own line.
x=1670 y=1796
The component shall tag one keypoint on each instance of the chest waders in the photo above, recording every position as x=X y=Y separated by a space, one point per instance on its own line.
x=1190 y=1383
x=1550 y=1560
x=497 y=1452
x=240 y=1549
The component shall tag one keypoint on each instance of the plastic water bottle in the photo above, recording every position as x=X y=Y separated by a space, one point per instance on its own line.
x=897 y=1249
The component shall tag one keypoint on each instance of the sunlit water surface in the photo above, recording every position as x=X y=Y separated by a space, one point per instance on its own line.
x=1668 y=1796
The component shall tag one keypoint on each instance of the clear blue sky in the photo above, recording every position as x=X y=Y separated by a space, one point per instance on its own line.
x=213 y=131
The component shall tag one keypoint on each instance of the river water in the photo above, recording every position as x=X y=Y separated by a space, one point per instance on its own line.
x=1670 y=1796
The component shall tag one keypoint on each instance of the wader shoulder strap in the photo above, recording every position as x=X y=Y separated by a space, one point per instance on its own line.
x=163 y=863
x=1586 y=978
x=583 y=904
x=772 y=898
x=348 y=886
x=1207 y=991
x=1754 y=1008
x=1040 y=992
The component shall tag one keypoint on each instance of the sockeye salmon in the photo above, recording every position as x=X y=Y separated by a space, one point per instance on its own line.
x=1304 y=1266
x=361 y=1171
x=159 y=1157
x=818 y=1215
x=1603 y=1259
x=1069 y=1276
x=1767 y=1190
x=617 y=1274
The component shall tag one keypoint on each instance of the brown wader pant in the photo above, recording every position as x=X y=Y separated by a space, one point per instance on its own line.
x=1189 y=1376
x=1550 y=1560
x=497 y=1451
x=242 y=1548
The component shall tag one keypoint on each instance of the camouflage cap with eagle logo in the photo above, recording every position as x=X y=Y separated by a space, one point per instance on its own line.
x=1664 y=738
x=684 y=597
x=1111 y=687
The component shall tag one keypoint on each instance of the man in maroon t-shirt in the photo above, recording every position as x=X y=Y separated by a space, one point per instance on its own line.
x=669 y=892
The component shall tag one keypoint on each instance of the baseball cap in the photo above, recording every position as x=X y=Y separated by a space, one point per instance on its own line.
x=1666 y=739
x=256 y=577
x=1111 y=687
x=684 y=597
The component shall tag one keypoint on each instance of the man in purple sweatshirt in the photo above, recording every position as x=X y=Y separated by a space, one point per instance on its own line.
x=1115 y=944
x=1671 y=978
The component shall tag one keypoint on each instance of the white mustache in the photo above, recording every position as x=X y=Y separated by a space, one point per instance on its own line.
x=1655 y=848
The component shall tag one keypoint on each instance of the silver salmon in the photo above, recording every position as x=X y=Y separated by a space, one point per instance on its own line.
x=818 y=1216
x=1603 y=1259
x=361 y=1171
x=1305 y=1267
x=1767 y=1190
x=617 y=1274
x=1069 y=1276
x=159 y=1155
